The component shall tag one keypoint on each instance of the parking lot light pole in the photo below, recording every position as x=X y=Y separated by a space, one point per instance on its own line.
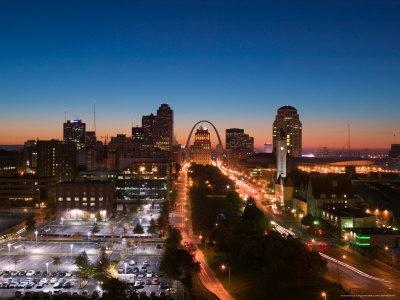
x=125 y=269
x=72 y=246
x=88 y=236
x=47 y=267
x=9 y=251
x=36 y=234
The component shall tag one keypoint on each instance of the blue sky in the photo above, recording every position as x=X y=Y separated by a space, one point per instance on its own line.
x=232 y=62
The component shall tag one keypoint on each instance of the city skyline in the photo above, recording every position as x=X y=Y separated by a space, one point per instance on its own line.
x=231 y=64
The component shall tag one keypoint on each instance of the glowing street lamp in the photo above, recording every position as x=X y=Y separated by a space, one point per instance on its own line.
x=9 y=251
x=72 y=246
x=223 y=268
x=125 y=264
x=88 y=235
x=36 y=234
x=323 y=294
x=47 y=267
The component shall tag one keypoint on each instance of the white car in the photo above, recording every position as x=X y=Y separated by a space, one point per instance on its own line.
x=53 y=280
x=43 y=281
x=131 y=263
x=30 y=273
x=68 y=274
x=149 y=275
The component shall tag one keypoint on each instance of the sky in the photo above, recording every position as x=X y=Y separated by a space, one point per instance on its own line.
x=230 y=62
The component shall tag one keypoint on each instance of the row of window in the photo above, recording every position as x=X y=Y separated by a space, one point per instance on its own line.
x=77 y=198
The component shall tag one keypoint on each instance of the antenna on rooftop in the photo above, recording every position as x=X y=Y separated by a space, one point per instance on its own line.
x=348 y=137
x=94 y=116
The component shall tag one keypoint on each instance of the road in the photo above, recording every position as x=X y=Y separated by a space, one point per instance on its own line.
x=181 y=219
x=357 y=274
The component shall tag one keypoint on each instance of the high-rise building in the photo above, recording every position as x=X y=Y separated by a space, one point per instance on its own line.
x=201 y=148
x=56 y=159
x=164 y=127
x=138 y=135
x=90 y=139
x=148 y=124
x=287 y=125
x=394 y=151
x=75 y=131
x=238 y=145
x=268 y=148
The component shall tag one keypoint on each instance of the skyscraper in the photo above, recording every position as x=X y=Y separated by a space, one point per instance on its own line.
x=164 y=127
x=287 y=125
x=138 y=135
x=238 y=145
x=56 y=159
x=201 y=148
x=148 y=123
x=75 y=131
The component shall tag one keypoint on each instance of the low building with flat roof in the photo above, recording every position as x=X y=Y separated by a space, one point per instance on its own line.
x=348 y=217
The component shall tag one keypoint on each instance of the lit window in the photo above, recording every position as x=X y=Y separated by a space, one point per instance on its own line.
x=92 y=204
x=76 y=198
x=68 y=198
x=60 y=198
x=84 y=204
x=100 y=198
x=92 y=199
x=84 y=199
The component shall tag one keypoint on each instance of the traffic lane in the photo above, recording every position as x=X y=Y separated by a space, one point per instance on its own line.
x=371 y=267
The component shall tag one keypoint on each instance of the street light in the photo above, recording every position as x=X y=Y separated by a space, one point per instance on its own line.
x=47 y=267
x=9 y=251
x=323 y=294
x=36 y=233
x=223 y=268
x=88 y=235
x=125 y=264
x=72 y=246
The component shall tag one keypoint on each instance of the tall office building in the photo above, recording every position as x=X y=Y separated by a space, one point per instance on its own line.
x=138 y=135
x=287 y=124
x=75 y=131
x=201 y=148
x=238 y=145
x=164 y=127
x=148 y=124
x=56 y=159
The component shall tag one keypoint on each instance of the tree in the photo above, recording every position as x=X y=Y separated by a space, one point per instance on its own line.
x=307 y=220
x=152 y=227
x=138 y=229
x=113 y=288
x=253 y=219
x=56 y=261
x=102 y=265
x=95 y=229
x=30 y=222
x=98 y=216
x=85 y=268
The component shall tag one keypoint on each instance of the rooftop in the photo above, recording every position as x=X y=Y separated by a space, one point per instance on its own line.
x=375 y=231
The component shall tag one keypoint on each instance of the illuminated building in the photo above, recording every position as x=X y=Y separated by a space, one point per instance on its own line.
x=25 y=190
x=10 y=162
x=138 y=135
x=201 y=148
x=56 y=159
x=83 y=198
x=238 y=145
x=281 y=152
x=374 y=237
x=348 y=218
x=75 y=131
x=90 y=139
x=287 y=123
x=148 y=123
x=164 y=128
x=268 y=148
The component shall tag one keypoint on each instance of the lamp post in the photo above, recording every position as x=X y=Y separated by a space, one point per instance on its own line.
x=337 y=267
x=9 y=251
x=72 y=246
x=36 y=234
x=88 y=236
x=125 y=264
x=47 y=267
x=323 y=294
x=223 y=268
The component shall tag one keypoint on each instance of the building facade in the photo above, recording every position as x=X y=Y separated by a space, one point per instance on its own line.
x=57 y=159
x=287 y=125
x=201 y=148
x=75 y=131
x=164 y=128
x=238 y=145
x=79 y=199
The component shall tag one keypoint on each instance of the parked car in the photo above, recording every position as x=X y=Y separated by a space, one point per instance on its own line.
x=53 y=280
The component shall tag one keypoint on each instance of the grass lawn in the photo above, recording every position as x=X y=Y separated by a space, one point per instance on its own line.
x=247 y=284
